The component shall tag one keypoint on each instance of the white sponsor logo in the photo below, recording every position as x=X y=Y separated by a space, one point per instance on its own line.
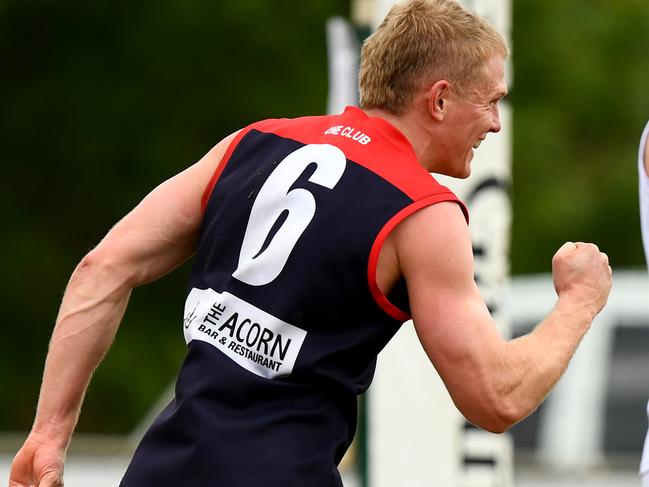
x=254 y=339
x=350 y=133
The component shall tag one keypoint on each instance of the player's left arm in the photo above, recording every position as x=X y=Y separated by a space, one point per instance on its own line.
x=153 y=239
x=494 y=382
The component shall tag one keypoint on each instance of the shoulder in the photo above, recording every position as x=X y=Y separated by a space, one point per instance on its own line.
x=434 y=244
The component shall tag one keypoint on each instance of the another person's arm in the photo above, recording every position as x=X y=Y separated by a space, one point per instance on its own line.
x=646 y=155
x=152 y=240
x=493 y=382
x=643 y=176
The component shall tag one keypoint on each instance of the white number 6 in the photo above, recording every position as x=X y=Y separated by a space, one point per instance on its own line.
x=258 y=265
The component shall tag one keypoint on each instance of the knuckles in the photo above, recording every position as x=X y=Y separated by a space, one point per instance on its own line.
x=581 y=261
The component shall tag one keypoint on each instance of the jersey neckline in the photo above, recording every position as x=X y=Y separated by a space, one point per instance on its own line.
x=386 y=128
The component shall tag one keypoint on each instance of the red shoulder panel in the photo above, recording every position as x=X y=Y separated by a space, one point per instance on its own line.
x=378 y=296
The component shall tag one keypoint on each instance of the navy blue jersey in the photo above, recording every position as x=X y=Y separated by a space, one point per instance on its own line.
x=283 y=317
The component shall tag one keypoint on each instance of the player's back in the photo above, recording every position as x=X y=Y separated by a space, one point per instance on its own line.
x=284 y=318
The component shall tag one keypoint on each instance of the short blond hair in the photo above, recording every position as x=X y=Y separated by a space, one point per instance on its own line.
x=423 y=41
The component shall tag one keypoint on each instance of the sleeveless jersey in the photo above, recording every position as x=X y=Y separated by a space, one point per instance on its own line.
x=284 y=318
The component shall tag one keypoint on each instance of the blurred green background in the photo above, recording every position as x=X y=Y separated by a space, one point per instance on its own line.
x=103 y=101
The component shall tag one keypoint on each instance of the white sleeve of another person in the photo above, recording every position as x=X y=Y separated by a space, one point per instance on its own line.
x=644 y=224
x=644 y=193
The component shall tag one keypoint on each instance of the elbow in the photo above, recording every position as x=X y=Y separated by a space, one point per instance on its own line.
x=492 y=424
x=94 y=263
x=499 y=423
x=506 y=415
x=497 y=417
x=100 y=266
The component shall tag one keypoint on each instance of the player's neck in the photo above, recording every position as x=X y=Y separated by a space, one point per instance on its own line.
x=415 y=128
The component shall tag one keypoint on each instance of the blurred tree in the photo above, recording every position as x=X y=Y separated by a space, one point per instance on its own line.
x=101 y=102
x=580 y=100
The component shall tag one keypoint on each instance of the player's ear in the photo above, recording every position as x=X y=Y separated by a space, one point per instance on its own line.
x=438 y=99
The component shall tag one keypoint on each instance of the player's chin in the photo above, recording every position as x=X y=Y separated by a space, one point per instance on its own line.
x=465 y=172
x=457 y=173
x=457 y=168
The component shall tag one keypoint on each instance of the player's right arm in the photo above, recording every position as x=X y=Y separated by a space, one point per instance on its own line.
x=493 y=382
x=154 y=238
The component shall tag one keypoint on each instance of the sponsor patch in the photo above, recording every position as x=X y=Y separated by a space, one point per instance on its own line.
x=254 y=339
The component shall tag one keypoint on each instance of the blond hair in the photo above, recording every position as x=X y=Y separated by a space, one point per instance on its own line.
x=423 y=41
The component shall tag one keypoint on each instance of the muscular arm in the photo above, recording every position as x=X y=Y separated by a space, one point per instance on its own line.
x=153 y=239
x=493 y=382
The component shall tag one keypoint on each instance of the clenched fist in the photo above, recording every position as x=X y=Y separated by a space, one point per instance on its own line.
x=38 y=464
x=582 y=273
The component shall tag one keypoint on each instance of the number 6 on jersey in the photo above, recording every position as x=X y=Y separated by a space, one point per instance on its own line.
x=261 y=261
